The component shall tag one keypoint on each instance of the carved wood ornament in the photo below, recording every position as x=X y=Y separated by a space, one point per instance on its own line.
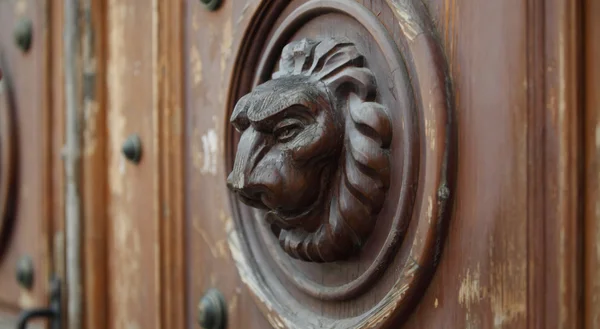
x=339 y=160
x=314 y=150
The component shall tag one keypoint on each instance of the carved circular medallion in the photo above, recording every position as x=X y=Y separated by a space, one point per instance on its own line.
x=339 y=160
x=7 y=157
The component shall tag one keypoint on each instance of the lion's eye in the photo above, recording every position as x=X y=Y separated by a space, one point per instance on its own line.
x=287 y=130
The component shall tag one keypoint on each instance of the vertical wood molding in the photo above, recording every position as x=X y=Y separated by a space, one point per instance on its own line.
x=554 y=165
x=563 y=159
x=94 y=174
x=536 y=165
x=171 y=158
x=592 y=164
x=56 y=99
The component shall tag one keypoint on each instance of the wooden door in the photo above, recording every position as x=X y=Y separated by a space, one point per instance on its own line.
x=335 y=164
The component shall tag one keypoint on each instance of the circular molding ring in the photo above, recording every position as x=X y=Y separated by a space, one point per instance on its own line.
x=416 y=211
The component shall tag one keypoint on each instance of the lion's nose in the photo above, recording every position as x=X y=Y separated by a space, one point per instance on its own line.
x=237 y=183
x=250 y=194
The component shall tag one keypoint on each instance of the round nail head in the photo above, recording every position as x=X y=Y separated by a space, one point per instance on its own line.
x=132 y=148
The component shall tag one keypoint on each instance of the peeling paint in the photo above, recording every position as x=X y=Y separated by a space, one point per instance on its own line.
x=126 y=238
x=226 y=45
x=470 y=291
x=430 y=134
x=408 y=23
x=26 y=299
x=90 y=134
x=429 y=209
x=210 y=149
x=206 y=150
x=117 y=66
x=20 y=8
x=508 y=294
x=196 y=65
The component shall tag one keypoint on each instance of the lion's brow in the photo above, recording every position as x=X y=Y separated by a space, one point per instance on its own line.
x=272 y=98
x=273 y=103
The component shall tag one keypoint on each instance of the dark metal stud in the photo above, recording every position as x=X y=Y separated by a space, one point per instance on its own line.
x=132 y=148
x=25 y=272
x=211 y=5
x=23 y=34
x=212 y=310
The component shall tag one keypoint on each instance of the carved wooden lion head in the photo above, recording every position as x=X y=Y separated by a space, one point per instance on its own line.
x=314 y=150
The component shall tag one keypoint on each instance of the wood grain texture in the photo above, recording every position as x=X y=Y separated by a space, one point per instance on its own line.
x=94 y=165
x=133 y=232
x=591 y=141
x=145 y=204
x=171 y=135
x=528 y=220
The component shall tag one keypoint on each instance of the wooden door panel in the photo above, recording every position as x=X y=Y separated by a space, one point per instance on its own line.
x=26 y=223
x=132 y=230
x=502 y=264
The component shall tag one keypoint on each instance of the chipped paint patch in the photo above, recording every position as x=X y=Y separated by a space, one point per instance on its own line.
x=508 y=294
x=471 y=291
x=210 y=150
x=126 y=276
x=196 y=65
x=408 y=23
x=429 y=209
x=90 y=133
x=206 y=150
x=116 y=120
x=20 y=8
x=430 y=134
x=26 y=299
x=226 y=44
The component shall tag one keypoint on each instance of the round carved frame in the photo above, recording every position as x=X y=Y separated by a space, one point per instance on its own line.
x=416 y=210
x=8 y=157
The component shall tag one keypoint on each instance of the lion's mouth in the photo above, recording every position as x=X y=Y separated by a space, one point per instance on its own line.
x=307 y=218
x=291 y=219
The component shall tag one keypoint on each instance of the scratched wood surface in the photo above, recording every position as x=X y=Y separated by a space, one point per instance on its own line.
x=133 y=231
x=511 y=254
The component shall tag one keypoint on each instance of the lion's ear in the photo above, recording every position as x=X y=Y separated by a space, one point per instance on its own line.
x=331 y=55
x=296 y=58
x=357 y=80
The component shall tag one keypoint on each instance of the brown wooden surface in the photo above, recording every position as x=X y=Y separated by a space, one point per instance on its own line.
x=591 y=103
x=34 y=109
x=155 y=234
x=133 y=227
x=511 y=255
